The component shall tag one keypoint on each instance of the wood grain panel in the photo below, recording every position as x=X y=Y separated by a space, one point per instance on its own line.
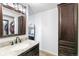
x=21 y=25
x=1 y=23
x=68 y=28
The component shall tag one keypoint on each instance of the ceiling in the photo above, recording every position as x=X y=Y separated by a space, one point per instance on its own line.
x=39 y=7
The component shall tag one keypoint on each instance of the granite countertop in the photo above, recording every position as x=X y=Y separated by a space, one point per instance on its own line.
x=16 y=49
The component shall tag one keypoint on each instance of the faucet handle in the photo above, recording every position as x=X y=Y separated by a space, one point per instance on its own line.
x=15 y=40
x=19 y=40
x=12 y=43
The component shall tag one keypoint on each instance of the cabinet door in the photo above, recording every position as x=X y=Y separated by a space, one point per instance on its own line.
x=33 y=51
x=68 y=29
x=21 y=25
x=1 y=22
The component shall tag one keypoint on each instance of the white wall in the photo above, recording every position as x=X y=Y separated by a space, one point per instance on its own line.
x=35 y=19
x=46 y=29
x=50 y=31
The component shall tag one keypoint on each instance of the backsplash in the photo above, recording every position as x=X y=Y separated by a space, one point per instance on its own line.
x=6 y=41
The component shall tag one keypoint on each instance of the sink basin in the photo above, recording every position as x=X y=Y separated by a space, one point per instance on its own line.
x=20 y=46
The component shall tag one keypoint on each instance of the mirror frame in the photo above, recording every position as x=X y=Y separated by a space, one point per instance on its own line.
x=1 y=21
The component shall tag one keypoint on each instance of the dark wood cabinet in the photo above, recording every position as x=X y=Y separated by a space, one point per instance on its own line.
x=21 y=25
x=1 y=23
x=68 y=29
x=34 y=51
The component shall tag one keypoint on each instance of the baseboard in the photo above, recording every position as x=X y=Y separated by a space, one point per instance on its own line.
x=49 y=52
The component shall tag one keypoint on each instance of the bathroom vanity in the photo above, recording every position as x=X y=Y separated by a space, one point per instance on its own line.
x=13 y=23
x=25 y=48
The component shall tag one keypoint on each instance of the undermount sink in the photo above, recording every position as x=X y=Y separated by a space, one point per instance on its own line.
x=17 y=49
x=20 y=46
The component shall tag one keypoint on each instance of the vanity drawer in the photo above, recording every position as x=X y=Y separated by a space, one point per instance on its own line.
x=67 y=43
x=64 y=50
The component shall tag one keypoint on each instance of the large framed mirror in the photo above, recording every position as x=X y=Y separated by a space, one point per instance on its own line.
x=13 y=20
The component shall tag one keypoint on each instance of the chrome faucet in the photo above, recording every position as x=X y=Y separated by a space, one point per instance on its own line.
x=17 y=38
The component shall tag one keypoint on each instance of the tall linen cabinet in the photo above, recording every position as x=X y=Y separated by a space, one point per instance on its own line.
x=68 y=29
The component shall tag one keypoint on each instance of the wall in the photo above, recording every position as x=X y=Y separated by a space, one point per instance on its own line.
x=35 y=19
x=50 y=31
x=46 y=29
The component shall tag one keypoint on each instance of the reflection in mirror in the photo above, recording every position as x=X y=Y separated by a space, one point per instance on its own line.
x=8 y=25
x=5 y=27
x=12 y=27
x=13 y=22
